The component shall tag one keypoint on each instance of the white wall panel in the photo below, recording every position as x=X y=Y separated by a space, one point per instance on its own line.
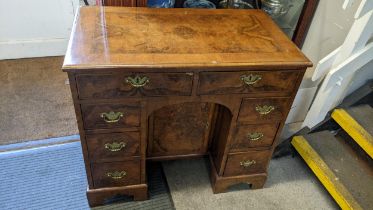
x=35 y=28
x=327 y=32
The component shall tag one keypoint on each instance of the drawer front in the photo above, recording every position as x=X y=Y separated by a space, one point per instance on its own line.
x=247 y=163
x=258 y=135
x=116 y=174
x=113 y=147
x=280 y=83
x=111 y=115
x=126 y=85
x=266 y=110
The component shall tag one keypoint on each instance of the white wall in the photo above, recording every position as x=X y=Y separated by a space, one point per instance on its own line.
x=327 y=32
x=35 y=28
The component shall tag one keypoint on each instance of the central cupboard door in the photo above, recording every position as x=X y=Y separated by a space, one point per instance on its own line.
x=181 y=129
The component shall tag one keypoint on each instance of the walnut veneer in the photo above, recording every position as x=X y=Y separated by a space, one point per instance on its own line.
x=158 y=84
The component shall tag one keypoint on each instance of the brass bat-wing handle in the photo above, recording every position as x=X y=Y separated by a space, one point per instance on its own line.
x=255 y=136
x=264 y=110
x=111 y=117
x=138 y=81
x=115 y=146
x=247 y=163
x=117 y=174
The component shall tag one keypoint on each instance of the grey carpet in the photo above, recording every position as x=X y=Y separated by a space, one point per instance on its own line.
x=290 y=185
x=35 y=102
x=54 y=178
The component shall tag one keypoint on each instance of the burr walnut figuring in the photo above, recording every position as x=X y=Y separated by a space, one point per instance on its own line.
x=160 y=84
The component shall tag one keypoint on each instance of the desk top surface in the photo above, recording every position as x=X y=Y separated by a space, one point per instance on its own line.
x=115 y=37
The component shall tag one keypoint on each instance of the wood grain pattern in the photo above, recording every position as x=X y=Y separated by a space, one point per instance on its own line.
x=279 y=82
x=108 y=37
x=192 y=104
x=92 y=115
x=115 y=86
x=220 y=184
x=220 y=136
x=99 y=153
x=299 y=35
x=120 y=3
x=101 y=179
x=180 y=129
x=187 y=38
x=79 y=119
x=249 y=114
x=100 y=196
x=234 y=167
x=242 y=142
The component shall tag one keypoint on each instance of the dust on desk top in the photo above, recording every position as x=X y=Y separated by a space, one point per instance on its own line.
x=117 y=36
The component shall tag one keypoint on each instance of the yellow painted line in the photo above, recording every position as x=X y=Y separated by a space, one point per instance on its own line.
x=355 y=130
x=331 y=182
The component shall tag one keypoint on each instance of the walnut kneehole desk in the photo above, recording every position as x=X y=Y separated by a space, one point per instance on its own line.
x=160 y=84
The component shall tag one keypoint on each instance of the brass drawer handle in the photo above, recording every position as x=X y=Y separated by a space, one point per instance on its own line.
x=264 y=110
x=111 y=117
x=115 y=146
x=247 y=163
x=116 y=174
x=255 y=136
x=137 y=81
x=251 y=78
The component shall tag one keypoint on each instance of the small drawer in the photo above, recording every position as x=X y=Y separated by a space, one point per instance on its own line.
x=258 y=135
x=105 y=86
x=111 y=115
x=116 y=174
x=247 y=163
x=265 y=110
x=280 y=83
x=113 y=146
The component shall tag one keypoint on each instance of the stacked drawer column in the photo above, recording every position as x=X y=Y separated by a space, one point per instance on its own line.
x=265 y=99
x=113 y=142
x=112 y=115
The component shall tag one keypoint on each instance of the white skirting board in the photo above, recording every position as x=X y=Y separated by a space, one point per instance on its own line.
x=33 y=48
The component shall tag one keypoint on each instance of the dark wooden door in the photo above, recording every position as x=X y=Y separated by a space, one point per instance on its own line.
x=120 y=3
x=181 y=129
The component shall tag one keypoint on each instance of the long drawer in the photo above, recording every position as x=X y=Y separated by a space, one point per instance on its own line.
x=106 y=116
x=106 y=86
x=113 y=146
x=279 y=83
x=116 y=173
x=247 y=163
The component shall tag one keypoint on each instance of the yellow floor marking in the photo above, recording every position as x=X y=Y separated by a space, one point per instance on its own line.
x=354 y=129
x=331 y=182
